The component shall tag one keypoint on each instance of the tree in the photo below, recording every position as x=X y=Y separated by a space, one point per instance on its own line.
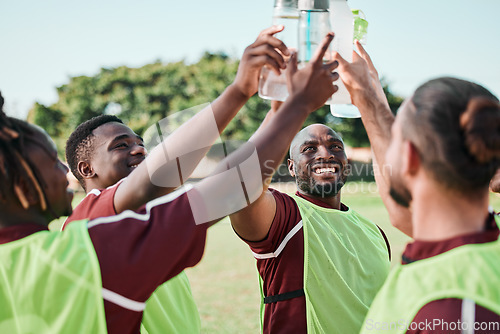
x=145 y=95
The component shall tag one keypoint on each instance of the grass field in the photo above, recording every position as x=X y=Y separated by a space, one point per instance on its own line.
x=225 y=282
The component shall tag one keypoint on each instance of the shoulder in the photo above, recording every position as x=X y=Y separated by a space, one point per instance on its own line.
x=287 y=217
x=281 y=197
x=97 y=203
x=286 y=207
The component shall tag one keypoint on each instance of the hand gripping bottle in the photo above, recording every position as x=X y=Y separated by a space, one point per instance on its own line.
x=342 y=22
x=272 y=86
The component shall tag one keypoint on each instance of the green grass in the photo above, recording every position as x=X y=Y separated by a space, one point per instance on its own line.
x=225 y=282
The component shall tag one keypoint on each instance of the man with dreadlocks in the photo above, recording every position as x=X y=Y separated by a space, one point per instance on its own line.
x=67 y=282
x=56 y=282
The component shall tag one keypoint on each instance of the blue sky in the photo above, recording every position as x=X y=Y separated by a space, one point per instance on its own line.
x=43 y=43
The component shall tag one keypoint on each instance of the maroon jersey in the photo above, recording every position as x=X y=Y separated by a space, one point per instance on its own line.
x=97 y=203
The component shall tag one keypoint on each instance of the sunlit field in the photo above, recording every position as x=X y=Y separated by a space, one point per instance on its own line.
x=225 y=282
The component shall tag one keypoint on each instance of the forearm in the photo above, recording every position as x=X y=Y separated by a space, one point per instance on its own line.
x=275 y=105
x=173 y=161
x=274 y=140
x=227 y=105
x=377 y=118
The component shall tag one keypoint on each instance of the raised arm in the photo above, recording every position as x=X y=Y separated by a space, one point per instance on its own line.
x=172 y=161
x=361 y=80
x=309 y=89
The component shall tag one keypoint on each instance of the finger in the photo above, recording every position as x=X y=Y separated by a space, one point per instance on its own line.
x=273 y=41
x=271 y=63
x=318 y=56
x=291 y=68
x=356 y=57
x=330 y=66
x=335 y=76
x=270 y=52
x=272 y=30
x=336 y=56
x=364 y=54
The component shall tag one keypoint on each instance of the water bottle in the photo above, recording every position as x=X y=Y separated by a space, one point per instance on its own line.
x=342 y=21
x=314 y=24
x=271 y=85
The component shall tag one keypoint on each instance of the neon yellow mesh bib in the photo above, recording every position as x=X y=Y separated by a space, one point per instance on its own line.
x=50 y=282
x=346 y=261
x=470 y=271
x=171 y=309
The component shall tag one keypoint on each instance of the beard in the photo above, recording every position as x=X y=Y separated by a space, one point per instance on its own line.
x=308 y=185
x=399 y=192
x=402 y=199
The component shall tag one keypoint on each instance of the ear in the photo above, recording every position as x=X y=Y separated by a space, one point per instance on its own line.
x=291 y=167
x=411 y=159
x=85 y=170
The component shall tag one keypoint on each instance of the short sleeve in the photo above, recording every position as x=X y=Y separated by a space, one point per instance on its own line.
x=286 y=217
x=97 y=203
x=149 y=246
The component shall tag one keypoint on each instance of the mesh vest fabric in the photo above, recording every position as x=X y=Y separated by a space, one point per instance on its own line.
x=171 y=309
x=467 y=272
x=346 y=262
x=50 y=282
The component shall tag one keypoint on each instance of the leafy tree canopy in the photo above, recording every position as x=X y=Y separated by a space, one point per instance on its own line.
x=145 y=95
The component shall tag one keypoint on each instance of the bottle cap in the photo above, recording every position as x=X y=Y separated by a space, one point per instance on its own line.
x=314 y=4
x=286 y=3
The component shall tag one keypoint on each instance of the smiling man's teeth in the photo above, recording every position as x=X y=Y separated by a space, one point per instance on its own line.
x=324 y=170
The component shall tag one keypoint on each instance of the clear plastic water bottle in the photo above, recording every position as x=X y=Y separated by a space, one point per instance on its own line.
x=314 y=24
x=271 y=85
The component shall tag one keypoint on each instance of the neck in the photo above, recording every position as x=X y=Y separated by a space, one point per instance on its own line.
x=332 y=201
x=439 y=213
x=92 y=185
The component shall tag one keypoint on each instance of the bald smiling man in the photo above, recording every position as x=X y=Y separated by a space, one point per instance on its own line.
x=314 y=254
